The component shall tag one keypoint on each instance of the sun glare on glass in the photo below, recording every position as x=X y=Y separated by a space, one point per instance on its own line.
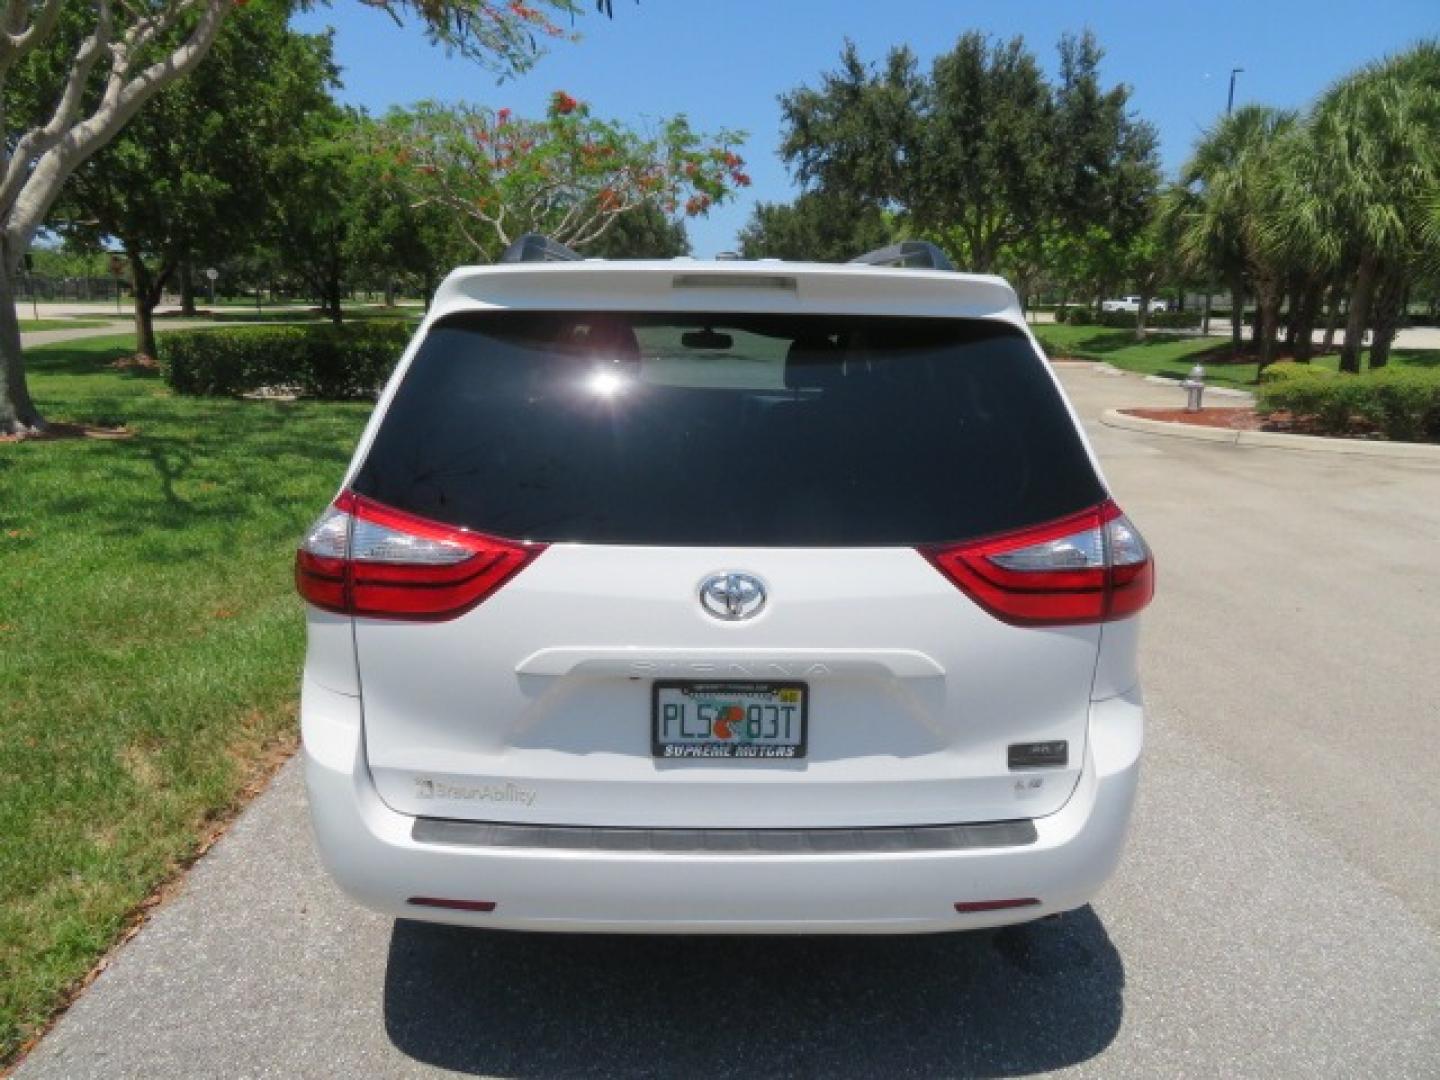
x=606 y=383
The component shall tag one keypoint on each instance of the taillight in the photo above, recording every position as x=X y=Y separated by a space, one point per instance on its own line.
x=1087 y=568
x=363 y=558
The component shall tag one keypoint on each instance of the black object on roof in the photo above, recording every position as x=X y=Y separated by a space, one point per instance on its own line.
x=532 y=247
x=913 y=254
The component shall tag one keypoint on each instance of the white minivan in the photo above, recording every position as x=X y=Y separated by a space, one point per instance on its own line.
x=722 y=597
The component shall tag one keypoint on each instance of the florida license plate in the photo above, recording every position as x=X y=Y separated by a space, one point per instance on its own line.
x=691 y=719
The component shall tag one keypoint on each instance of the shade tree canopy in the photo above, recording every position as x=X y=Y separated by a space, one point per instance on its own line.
x=816 y=226
x=187 y=181
x=982 y=151
x=87 y=67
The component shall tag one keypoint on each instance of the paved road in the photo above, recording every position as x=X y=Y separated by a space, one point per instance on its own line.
x=1277 y=912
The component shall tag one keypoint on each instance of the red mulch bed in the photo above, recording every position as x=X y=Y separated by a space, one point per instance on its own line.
x=1242 y=418
x=1247 y=419
x=55 y=431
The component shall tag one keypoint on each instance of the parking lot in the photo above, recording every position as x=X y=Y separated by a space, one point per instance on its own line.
x=1278 y=911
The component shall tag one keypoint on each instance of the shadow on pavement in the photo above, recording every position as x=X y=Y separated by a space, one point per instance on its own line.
x=1020 y=1000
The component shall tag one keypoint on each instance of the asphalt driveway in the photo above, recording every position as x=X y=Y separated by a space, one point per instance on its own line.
x=1278 y=912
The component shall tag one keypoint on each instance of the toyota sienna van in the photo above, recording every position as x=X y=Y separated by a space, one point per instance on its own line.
x=683 y=596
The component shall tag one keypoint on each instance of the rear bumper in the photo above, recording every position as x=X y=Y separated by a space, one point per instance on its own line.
x=372 y=853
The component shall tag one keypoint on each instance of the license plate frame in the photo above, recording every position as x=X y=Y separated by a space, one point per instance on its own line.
x=736 y=749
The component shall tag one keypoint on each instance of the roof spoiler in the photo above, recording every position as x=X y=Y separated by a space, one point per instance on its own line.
x=913 y=254
x=532 y=247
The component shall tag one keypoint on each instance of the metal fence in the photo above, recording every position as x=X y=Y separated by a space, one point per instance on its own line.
x=31 y=287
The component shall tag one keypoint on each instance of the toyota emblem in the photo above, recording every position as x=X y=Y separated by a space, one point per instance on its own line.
x=732 y=596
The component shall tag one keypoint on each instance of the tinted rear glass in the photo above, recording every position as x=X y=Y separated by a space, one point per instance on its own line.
x=764 y=430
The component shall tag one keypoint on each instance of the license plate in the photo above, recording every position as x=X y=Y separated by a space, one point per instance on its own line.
x=751 y=720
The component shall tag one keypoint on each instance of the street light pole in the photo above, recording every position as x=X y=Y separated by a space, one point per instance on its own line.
x=1230 y=101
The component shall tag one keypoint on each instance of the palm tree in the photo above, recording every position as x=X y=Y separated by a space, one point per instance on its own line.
x=1378 y=130
x=1302 y=227
x=1231 y=197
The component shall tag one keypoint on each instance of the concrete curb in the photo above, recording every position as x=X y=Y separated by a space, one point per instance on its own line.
x=1314 y=444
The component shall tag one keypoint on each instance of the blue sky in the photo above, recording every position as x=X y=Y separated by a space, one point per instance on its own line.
x=723 y=62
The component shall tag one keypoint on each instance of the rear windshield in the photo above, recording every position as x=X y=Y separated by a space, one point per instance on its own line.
x=761 y=430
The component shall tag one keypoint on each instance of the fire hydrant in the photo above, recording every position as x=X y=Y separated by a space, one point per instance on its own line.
x=1194 y=388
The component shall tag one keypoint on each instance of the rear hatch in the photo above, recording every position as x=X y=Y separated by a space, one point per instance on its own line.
x=716 y=514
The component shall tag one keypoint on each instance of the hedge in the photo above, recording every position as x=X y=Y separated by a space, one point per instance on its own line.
x=1399 y=403
x=347 y=361
x=1125 y=320
x=1284 y=370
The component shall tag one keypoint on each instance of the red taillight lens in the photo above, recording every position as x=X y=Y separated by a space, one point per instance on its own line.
x=1086 y=568
x=363 y=558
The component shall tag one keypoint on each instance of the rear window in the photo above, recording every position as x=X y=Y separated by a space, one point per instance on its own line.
x=758 y=430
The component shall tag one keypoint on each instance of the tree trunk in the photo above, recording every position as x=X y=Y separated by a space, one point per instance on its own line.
x=1142 y=316
x=145 y=325
x=1380 y=345
x=1237 y=316
x=1358 y=317
x=18 y=415
x=1267 y=311
x=187 y=290
x=143 y=293
x=1291 y=321
x=1255 y=326
x=390 y=291
x=1333 y=298
x=1388 y=305
x=1302 y=320
x=331 y=298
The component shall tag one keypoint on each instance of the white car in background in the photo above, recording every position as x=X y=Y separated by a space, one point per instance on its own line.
x=1132 y=303
x=722 y=597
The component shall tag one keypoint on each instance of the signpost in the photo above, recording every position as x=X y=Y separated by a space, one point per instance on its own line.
x=212 y=274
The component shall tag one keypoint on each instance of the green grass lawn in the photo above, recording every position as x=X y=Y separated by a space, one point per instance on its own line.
x=29 y=325
x=150 y=645
x=1173 y=355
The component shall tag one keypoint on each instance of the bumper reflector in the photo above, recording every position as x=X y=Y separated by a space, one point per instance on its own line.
x=967 y=907
x=457 y=905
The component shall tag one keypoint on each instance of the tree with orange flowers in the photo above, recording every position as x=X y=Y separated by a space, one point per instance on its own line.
x=570 y=175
